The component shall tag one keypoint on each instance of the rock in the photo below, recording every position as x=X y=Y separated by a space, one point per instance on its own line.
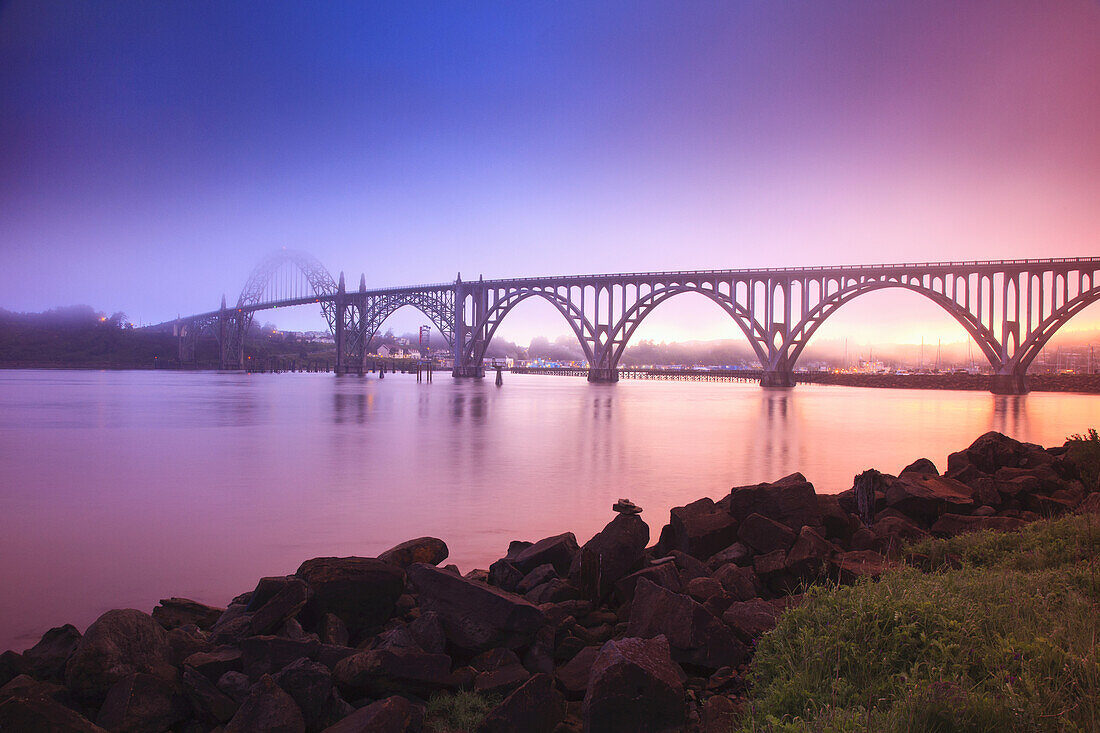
x=740 y=583
x=231 y=626
x=504 y=575
x=393 y=714
x=310 y=685
x=573 y=675
x=476 y=617
x=950 y=525
x=380 y=672
x=268 y=709
x=185 y=641
x=333 y=631
x=689 y=567
x=664 y=575
x=330 y=655
x=893 y=533
x=921 y=466
x=11 y=665
x=700 y=529
x=427 y=630
x=751 y=619
x=119 y=643
x=720 y=714
x=926 y=497
x=142 y=703
x=42 y=715
x=210 y=704
x=554 y=590
x=281 y=607
x=397 y=637
x=499 y=672
x=538 y=576
x=634 y=688
x=262 y=655
x=535 y=707
x=613 y=553
x=214 y=664
x=558 y=551
x=992 y=451
x=236 y=685
x=428 y=550
x=360 y=591
x=695 y=636
x=46 y=659
x=1090 y=504
x=766 y=566
x=24 y=685
x=703 y=589
x=765 y=535
x=850 y=566
x=626 y=506
x=738 y=553
x=791 y=501
x=809 y=553
x=984 y=511
x=174 y=612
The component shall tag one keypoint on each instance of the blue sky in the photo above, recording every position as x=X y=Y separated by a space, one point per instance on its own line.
x=152 y=153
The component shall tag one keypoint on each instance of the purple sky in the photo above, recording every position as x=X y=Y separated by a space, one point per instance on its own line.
x=152 y=153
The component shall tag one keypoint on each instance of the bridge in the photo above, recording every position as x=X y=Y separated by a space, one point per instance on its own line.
x=1010 y=308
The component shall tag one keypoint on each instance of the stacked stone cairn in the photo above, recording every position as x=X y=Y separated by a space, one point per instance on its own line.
x=614 y=635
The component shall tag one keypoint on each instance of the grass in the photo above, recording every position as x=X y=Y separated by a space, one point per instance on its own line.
x=1083 y=451
x=1005 y=641
x=458 y=713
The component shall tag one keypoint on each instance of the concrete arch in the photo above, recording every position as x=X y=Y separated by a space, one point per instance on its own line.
x=800 y=335
x=640 y=310
x=582 y=327
x=1027 y=351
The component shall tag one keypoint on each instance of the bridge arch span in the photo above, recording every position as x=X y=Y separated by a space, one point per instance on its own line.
x=262 y=277
x=1026 y=352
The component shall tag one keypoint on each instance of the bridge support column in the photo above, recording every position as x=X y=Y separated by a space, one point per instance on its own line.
x=1009 y=383
x=339 y=336
x=603 y=374
x=777 y=379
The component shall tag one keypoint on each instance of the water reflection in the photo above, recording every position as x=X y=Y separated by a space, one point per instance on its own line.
x=106 y=505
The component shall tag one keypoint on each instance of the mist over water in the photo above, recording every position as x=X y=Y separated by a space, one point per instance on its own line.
x=121 y=488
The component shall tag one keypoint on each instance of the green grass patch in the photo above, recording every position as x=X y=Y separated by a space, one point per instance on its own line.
x=1008 y=641
x=458 y=713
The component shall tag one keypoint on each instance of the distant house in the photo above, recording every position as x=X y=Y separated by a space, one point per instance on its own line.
x=384 y=351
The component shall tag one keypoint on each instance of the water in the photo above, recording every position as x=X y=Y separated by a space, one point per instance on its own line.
x=121 y=488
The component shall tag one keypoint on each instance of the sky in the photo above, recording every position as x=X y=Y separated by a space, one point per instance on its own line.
x=152 y=153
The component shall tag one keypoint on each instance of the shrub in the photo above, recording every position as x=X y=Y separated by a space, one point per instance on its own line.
x=1083 y=451
x=458 y=713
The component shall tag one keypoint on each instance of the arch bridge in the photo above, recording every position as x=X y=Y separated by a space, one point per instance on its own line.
x=1010 y=308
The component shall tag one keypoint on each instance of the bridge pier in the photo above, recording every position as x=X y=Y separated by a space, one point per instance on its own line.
x=777 y=379
x=1009 y=383
x=461 y=370
x=604 y=375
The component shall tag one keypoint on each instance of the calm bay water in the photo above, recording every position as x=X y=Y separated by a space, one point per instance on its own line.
x=121 y=488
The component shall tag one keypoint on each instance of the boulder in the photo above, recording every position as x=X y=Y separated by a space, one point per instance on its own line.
x=535 y=707
x=720 y=714
x=557 y=551
x=704 y=589
x=922 y=466
x=504 y=575
x=950 y=525
x=381 y=672
x=791 y=501
x=613 y=553
x=499 y=672
x=11 y=665
x=173 y=612
x=24 y=685
x=751 y=619
x=267 y=709
x=211 y=705
x=394 y=714
x=573 y=675
x=310 y=685
x=850 y=566
x=663 y=574
x=333 y=631
x=429 y=550
x=427 y=629
x=262 y=655
x=236 y=685
x=992 y=451
x=925 y=497
x=892 y=533
x=117 y=644
x=765 y=535
x=142 y=703
x=740 y=583
x=634 y=688
x=214 y=664
x=185 y=641
x=538 y=576
x=360 y=591
x=46 y=659
x=280 y=608
x=809 y=554
x=694 y=634
x=476 y=617
x=42 y=715
x=700 y=529
x=838 y=524
x=738 y=553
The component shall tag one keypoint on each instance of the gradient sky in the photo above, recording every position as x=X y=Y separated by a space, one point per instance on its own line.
x=153 y=152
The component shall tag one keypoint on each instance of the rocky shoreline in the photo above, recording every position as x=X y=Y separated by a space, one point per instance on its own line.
x=614 y=635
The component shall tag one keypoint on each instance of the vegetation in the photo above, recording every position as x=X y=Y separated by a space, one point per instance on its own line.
x=1084 y=452
x=1004 y=638
x=462 y=711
